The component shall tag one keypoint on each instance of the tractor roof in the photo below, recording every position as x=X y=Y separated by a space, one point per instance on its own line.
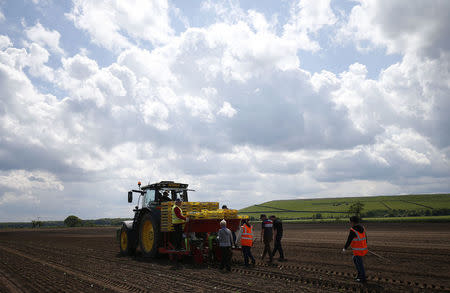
x=166 y=185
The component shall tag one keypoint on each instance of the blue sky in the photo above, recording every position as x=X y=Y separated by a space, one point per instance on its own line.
x=246 y=101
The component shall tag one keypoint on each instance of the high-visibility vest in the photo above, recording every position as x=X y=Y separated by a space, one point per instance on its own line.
x=359 y=243
x=246 y=237
x=175 y=219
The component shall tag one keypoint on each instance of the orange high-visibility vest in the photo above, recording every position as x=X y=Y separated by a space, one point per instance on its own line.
x=246 y=237
x=359 y=243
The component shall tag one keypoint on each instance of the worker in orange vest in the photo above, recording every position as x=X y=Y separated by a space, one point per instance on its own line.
x=246 y=236
x=357 y=240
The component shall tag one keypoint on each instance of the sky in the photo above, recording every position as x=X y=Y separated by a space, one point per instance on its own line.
x=245 y=101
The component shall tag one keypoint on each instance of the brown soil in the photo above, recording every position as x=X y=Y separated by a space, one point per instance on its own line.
x=416 y=258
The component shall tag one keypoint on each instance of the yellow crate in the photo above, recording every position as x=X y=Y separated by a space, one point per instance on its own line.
x=212 y=205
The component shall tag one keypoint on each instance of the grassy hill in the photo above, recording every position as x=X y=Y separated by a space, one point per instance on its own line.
x=374 y=207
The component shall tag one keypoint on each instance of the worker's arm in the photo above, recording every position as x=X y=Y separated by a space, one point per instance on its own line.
x=239 y=235
x=230 y=234
x=178 y=214
x=350 y=237
x=262 y=231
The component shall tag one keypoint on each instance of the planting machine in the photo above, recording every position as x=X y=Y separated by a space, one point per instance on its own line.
x=151 y=229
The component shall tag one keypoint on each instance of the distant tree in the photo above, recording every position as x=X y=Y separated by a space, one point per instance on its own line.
x=73 y=221
x=356 y=209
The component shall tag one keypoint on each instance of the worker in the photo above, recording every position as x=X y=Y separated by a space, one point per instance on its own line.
x=357 y=239
x=177 y=221
x=266 y=236
x=225 y=242
x=246 y=237
x=224 y=207
x=165 y=196
x=278 y=234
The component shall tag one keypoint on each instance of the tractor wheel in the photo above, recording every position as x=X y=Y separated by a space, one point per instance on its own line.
x=149 y=236
x=127 y=245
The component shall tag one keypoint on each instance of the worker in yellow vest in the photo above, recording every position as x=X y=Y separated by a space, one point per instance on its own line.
x=357 y=240
x=246 y=237
x=177 y=221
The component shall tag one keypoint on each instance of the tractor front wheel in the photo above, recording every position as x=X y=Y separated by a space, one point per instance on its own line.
x=127 y=245
x=148 y=236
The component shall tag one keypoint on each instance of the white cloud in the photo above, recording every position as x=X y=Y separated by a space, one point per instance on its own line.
x=2 y=16
x=156 y=114
x=23 y=180
x=80 y=67
x=5 y=42
x=227 y=110
x=213 y=106
x=401 y=26
x=116 y=25
x=44 y=37
x=306 y=17
x=37 y=58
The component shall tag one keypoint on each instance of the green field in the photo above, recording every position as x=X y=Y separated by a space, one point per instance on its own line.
x=429 y=219
x=418 y=205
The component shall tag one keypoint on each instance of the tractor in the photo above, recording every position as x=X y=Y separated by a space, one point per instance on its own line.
x=151 y=229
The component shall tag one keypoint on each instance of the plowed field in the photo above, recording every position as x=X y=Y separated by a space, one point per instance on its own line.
x=416 y=258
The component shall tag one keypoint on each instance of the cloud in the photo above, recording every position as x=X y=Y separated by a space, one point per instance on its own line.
x=5 y=42
x=22 y=180
x=116 y=25
x=80 y=67
x=215 y=105
x=306 y=17
x=397 y=157
x=44 y=37
x=2 y=16
x=401 y=26
x=227 y=110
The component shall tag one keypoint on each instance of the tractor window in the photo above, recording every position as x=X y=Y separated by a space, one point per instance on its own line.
x=149 y=197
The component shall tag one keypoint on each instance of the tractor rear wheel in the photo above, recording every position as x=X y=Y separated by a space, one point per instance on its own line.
x=149 y=236
x=127 y=245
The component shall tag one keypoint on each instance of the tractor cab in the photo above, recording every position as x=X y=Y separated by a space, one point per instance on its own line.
x=157 y=193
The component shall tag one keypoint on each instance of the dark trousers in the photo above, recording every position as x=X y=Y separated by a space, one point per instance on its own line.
x=267 y=249
x=178 y=235
x=277 y=247
x=226 y=258
x=246 y=250
x=359 y=267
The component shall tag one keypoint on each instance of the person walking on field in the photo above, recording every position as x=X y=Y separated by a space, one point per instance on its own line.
x=225 y=243
x=177 y=221
x=278 y=231
x=357 y=240
x=266 y=236
x=246 y=237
